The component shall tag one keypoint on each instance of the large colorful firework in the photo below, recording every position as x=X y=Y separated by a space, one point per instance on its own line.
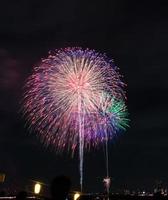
x=75 y=98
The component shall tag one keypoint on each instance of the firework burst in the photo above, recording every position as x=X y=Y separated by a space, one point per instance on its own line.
x=73 y=97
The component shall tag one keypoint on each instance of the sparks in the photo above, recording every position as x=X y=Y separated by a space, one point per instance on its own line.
x=73 y=97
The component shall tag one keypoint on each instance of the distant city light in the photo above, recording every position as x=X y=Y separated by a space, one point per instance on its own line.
x=2 y=177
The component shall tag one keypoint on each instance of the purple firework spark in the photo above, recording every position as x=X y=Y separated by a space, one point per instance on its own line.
x=71 y=97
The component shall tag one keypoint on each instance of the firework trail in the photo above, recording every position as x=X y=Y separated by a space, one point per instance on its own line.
x=75 y=97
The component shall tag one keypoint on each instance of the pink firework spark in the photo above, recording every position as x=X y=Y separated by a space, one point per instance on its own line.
x=68 y=84
x=71 y=97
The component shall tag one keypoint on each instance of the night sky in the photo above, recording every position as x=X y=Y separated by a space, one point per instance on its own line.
x=135 y=34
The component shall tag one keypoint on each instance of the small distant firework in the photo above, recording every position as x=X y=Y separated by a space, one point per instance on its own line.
x=107 y=182
x=75 y=98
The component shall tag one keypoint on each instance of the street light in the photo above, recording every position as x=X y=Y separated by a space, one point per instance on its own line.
x=37 y=188
x=76 y=196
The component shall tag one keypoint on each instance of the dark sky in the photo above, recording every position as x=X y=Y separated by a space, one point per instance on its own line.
x=135 y=34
